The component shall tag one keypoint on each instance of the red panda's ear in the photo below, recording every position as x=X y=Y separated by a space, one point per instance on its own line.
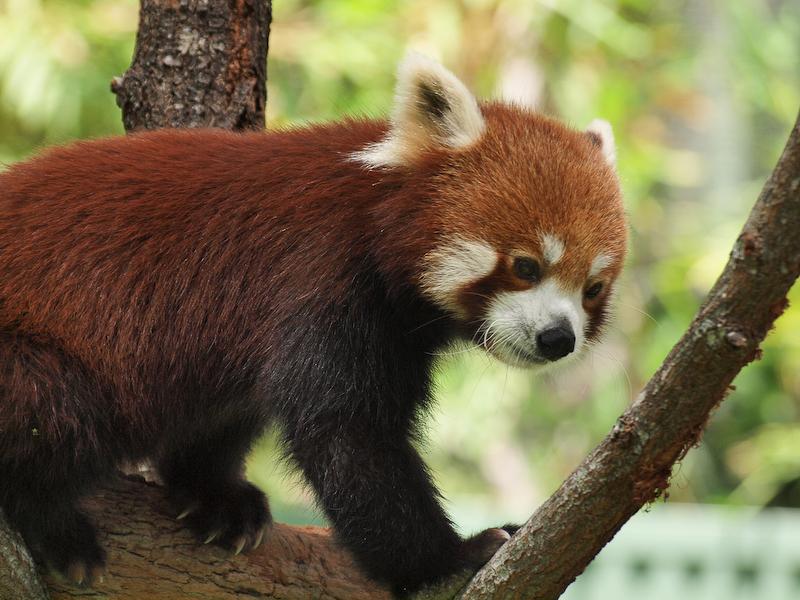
x=432 y=109
x=599 y=131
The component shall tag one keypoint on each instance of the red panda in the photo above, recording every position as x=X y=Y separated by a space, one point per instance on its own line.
x=167 y=295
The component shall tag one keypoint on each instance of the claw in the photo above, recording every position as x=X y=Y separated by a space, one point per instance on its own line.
x=97 y=574
x=186 y=512
x=211 y=537
x=76 y=572
x=240 y=542
x=259 y=539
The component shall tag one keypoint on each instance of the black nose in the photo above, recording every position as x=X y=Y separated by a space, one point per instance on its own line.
x=556 y=342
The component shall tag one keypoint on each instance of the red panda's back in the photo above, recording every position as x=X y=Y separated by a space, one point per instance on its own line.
x=141 y=248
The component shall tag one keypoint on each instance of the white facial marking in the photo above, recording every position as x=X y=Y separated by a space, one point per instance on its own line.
x=516 y=318
x=455 y=120
x=600 y=262
x=602 y=129
x=454 y=265
x=553 y=248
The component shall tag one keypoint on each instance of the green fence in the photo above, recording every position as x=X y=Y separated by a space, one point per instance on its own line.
x=694 y=552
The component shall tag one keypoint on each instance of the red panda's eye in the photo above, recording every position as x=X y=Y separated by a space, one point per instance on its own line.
x=594 y=291
x=526 y=268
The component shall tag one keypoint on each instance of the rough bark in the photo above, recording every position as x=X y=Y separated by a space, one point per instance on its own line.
x=152 y=555
x=197 y=63
x=18 y=577
x=632 y=466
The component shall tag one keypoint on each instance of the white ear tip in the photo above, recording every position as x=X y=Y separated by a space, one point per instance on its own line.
x=413 y=58
x=416 y=65
x=602 y=129
x=432 y=108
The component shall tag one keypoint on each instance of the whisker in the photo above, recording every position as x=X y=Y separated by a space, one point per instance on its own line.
x=596 y=350
x=505 y=382
x=478 y=332
x=486 y=336
x=451 y=352
x=637 y=309
x=479 y=295
x=439 y=318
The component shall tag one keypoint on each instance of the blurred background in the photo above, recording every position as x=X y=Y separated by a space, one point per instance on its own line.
x=701 y=94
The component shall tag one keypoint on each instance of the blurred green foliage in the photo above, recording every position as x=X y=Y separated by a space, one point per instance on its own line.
x=702 y=94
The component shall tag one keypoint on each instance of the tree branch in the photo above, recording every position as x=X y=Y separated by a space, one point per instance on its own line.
x=151 y=555
x=632 y=466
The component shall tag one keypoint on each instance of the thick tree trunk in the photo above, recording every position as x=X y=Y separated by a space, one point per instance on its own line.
x=197 y=63
x=201 y=63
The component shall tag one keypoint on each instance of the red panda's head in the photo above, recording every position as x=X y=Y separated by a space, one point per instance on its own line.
x=525 y=230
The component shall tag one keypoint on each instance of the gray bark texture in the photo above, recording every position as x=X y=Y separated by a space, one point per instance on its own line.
x=18 y=577
x=201 y=63
x=197 y=63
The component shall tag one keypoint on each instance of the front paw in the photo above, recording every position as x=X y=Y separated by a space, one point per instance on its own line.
x=235 y=516
x=477 y=550
x=473 y=553
x=71 y=549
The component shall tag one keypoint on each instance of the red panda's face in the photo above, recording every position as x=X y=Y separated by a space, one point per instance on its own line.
x=532 y=237
x=530 y=231
x=530 y=302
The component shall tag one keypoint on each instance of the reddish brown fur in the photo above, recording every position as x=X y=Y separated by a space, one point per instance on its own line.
x=170 y=293
x=530 y=175
x=118 y=247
